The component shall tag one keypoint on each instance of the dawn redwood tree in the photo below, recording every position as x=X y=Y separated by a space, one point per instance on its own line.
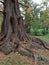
x=13 y=34
x=12 y=29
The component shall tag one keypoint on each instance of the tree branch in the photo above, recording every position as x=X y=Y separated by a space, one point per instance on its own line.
x=19 y=3
x=23 y=5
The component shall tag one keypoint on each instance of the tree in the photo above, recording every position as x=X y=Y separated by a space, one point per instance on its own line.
x=44 y=17
x=13 y=34
x=12 y=23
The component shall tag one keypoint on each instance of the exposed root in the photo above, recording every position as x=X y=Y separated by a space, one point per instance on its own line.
x=32 y=42
x=34 y=55
x=40 y=58
x=42 y=42
x=14 y=45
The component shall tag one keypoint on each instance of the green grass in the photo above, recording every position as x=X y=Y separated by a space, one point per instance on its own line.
x=44 y=36
x=14 y=59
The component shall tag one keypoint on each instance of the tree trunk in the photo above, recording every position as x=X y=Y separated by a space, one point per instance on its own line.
x=12 y=25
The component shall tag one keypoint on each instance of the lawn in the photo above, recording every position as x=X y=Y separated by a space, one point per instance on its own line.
x=44 y=36
x=14 y=59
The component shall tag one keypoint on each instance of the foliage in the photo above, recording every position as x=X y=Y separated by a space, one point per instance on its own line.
x=36 y=16
x=36 y=32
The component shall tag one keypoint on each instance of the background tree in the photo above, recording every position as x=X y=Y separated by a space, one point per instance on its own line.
x=44 y=17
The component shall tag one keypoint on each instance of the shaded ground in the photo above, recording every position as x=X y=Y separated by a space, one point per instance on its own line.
x=17 y=59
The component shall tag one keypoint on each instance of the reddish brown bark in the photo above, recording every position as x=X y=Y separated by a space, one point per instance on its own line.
x=12 y=24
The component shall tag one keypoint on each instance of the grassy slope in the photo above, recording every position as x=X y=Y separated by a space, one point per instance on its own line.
x=45 y=37
x=14 y=59
x=17 y=59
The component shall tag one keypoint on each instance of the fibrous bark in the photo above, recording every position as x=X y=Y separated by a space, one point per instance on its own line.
x=12 y=29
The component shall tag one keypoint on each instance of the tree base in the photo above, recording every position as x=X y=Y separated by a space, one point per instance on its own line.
x=12 y=45
x=32 y=43
x=8 y=46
